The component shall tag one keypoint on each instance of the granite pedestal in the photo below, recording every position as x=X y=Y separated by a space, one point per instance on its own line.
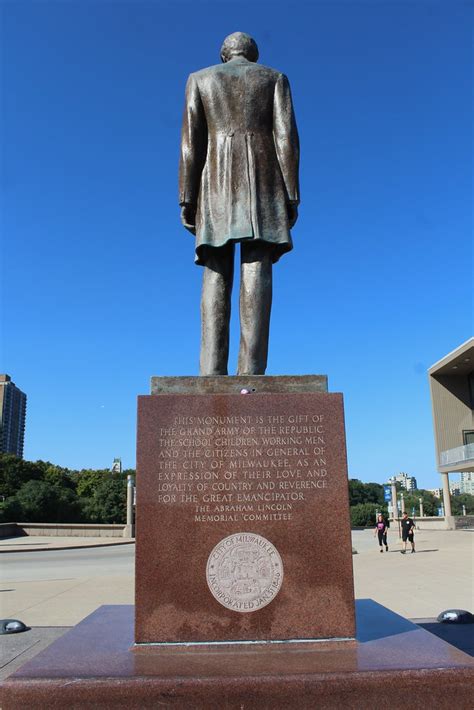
x=242 y=512
x=96 y=665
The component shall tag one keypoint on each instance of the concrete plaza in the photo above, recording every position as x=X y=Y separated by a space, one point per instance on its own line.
x=439 y=576
x=58 y=587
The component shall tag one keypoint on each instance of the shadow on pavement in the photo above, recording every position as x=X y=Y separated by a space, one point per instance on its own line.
x=459 y=635
x=408 y=552
x=417 y=552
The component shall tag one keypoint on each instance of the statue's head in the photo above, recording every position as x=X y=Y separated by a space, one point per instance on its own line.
x=239 y=44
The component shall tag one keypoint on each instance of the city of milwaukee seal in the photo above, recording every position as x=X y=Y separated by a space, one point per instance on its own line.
x=244 y=572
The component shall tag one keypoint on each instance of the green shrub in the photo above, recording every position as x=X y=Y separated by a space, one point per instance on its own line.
x=364 y=514
x=11 y=510
x=457 y=503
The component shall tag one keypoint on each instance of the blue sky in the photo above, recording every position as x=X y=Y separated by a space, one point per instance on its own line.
x=99 y=287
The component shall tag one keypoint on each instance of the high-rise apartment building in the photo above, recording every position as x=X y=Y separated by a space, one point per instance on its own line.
x=455 y=488
x=466 y=484
x=13 y=415
x=406 y=481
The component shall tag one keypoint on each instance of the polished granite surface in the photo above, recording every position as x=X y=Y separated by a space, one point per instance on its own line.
x=96 y=664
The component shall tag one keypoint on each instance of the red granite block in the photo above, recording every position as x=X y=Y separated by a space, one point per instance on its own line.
x=242 y=518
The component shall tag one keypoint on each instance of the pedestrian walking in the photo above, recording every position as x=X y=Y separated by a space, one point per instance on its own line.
x=408 y=533
x=381 y=531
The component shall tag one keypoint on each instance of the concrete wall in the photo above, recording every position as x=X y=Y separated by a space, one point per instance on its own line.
x=464 y=521
x=60 y=530
x=437 y=523
x=10 y=530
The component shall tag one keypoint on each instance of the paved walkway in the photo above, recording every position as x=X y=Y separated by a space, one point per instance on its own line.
x=60 y=587
x=439 y=576
x=32 y=543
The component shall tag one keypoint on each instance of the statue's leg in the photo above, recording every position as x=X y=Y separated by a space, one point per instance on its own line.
x=215 y=309
x=255 y=306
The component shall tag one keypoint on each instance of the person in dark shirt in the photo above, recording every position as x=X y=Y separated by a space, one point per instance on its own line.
x=381 y=532
x=408 y=528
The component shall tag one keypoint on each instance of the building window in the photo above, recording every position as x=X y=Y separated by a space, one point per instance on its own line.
x=471 y=388
x=468 y=437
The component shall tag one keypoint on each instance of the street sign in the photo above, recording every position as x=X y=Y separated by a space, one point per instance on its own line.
x=387 y=493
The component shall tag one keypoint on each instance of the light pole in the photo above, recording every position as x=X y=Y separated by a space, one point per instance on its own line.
x=129 y=530
x=420 y=500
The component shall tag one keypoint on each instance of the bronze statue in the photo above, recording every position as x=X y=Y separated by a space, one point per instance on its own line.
x=238 y=182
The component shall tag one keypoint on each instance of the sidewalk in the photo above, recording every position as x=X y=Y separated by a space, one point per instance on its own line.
x=439 y=576
x=62 y=602
x=33 y=543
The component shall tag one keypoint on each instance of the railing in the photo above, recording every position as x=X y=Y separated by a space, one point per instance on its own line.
x=458 y=455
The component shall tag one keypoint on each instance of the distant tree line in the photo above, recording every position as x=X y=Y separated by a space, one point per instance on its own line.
x=41 y=492
x=367 y=499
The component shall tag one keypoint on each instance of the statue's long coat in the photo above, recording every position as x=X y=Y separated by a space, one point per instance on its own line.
x=239 y=155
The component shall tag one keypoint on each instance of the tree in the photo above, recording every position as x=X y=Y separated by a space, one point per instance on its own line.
x=364 y=514
x=14 y=472
x=57 y=476
x=11 y=510
x=412 y=500
x=356 y=492
x=365 y=492
x=430 y=502
x=108 y=503
x=374 y=493
x=45 y=493
x=43 y=503
x=87 y=480
x=457 y=503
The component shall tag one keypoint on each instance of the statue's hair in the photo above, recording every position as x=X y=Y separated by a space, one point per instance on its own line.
x=239 y=43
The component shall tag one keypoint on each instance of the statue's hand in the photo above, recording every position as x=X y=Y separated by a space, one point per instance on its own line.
x=188 y=217
x=292 y=211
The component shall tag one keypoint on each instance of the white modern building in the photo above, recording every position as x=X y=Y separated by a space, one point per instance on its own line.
x=452 y=399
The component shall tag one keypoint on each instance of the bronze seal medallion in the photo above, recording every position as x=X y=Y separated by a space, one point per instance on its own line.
x=244 y=572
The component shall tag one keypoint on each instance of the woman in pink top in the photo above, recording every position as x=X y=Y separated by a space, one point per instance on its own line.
x=381 y=531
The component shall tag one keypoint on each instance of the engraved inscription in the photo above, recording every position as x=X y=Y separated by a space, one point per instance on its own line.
x=244 y=469
x=244 y=572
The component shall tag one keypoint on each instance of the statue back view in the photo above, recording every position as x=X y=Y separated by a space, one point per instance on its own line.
x=238 y=183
